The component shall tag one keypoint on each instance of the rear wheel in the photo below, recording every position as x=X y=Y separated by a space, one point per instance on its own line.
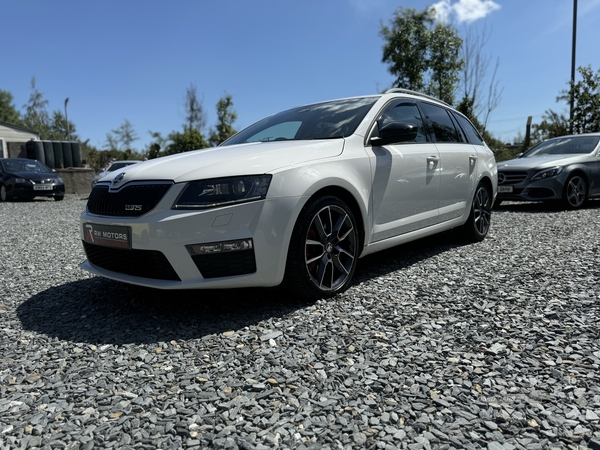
x=575 y=192
x=323 y=251
x=478 y=224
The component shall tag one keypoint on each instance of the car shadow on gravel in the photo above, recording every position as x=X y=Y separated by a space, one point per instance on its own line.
x=100 y=311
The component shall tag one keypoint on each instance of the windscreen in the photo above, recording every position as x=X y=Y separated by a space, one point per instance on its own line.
x=327 y=120
x=24 y=166
x=571 y=145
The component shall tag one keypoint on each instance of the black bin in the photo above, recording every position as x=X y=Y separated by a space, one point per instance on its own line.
x=59 y=162
x=35 y=150
x=67 y=155
x=49 y=154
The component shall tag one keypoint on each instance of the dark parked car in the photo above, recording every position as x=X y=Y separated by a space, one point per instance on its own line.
x=565 y=169
x=28 y=178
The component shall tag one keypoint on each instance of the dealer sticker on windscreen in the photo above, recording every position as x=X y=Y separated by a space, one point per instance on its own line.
x=107 y=235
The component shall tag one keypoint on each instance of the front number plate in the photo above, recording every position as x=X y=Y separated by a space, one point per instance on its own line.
x=42 y=187
x=107 y=235
x=505 y=189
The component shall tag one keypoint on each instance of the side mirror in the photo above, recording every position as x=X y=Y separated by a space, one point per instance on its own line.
x=395 y=133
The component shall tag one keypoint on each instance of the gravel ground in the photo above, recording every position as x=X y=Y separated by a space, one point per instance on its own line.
x=436 y=345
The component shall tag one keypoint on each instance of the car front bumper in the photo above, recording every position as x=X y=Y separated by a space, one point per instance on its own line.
x=159 y=254
x=539 y=190
x=30 y=191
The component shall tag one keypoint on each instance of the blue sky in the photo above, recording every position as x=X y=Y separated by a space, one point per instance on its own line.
x=133 y=60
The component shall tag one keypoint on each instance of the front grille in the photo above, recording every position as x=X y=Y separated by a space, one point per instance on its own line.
x=511 y=177
x=228 y=264
x=138 y=263
x=133 y=200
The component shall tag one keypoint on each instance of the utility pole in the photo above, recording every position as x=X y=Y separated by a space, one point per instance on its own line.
x=573 y=66
x=67 y=120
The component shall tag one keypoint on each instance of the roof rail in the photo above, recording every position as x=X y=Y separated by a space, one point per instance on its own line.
x=420 y=94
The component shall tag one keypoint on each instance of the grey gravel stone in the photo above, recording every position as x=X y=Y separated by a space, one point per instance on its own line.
x=437 y=344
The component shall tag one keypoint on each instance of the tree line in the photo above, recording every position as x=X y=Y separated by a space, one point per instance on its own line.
x=422 y=54
x=119 y=143
x=431 y=57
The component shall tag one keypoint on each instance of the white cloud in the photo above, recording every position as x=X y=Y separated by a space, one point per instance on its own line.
x=443 y=11
x=464 y=10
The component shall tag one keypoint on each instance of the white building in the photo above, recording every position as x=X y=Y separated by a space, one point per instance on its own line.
x=13 y=139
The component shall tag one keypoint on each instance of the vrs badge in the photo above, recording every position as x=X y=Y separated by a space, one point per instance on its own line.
x=107 y=235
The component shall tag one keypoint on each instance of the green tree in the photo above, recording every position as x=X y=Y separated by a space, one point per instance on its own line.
x=552 y=125
x=586 y=110
x=122 y=138
x=422 y=55
x=190 y=139
x=36 y=116
x=444 y=62
x=57 y=128
x=49 y=127
x=586 y=102
x=226 y=115
x=8 y=112
x=194 y=111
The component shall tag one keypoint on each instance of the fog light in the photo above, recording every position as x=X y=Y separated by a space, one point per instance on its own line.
x=220 y=247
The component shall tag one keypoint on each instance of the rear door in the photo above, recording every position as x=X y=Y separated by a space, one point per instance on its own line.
x=457 y=162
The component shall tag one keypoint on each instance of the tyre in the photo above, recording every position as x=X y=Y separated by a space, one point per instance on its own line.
x=58 y=198
x=477 y=225
x=3 y=193
x=575 y=192
x=323 y=250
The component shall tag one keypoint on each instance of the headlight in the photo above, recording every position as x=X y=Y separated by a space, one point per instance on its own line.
x=547 y=173
x=223 y=191
x=22 y=181
x=59 y=180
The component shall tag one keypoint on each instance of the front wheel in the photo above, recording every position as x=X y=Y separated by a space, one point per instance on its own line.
x=478 y=224
x=324 y=249
x=58 y=198
x=3 y=193
x=575 y=192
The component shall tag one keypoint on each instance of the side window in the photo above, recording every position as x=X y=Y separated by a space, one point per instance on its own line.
x=404 y=112
x=471 y=132
x=442 y=124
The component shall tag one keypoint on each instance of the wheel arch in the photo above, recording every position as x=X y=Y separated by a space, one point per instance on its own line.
x=348 y=198
x=579 y=171
x=488 y=182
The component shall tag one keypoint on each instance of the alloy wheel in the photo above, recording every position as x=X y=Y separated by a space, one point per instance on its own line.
x=576 y=191
x=482 y=210
x=330 y=248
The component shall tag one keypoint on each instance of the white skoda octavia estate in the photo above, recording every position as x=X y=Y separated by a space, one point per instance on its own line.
x=297 y=198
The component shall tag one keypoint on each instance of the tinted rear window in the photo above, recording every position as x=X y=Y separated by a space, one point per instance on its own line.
x=443 y=127
x=472 y=134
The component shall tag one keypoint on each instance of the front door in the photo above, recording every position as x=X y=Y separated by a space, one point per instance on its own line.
x=406 y=185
